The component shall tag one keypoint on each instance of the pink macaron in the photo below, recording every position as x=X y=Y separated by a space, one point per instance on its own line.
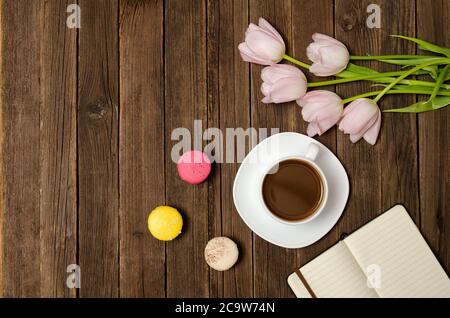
x=194 y=167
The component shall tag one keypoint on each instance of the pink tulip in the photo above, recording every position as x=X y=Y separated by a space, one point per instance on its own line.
x=329 y=56
x=362 y=118
x=322 y=109
x=263 y=44
x=282 y=83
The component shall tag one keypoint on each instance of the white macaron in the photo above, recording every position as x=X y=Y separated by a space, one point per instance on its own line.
x=221 y=253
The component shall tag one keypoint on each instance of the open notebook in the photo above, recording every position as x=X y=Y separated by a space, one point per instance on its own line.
x=387 y=257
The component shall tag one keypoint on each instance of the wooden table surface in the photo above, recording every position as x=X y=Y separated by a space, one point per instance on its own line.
x=86 y=122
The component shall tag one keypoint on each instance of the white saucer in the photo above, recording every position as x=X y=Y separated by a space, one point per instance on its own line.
x=246 y=192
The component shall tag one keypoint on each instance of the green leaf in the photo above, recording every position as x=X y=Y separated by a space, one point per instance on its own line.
x=417 y=89
x=360 y=69
x=427 y=46
x=417 y=61
x=447 y=76
x=439 y=81
x=432 y=70
x=422 y=106
x=427 y=70
x=440 y=102
x=414 y=108
x=422 y=89
x=383 y=80
x=353 y=70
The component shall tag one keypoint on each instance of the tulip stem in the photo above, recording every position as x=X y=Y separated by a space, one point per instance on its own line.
x=407 y=82
x=368 y=77
x=387 y=57
x=296 y=62
x=409 y=91
x=355 y=78
x=414 y=82
x=406 y=74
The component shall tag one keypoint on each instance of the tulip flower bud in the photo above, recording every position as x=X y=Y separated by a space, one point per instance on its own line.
x=322 y=109
x=329 y=56
x=362 y=118
x=263 y=44
x=282 y=83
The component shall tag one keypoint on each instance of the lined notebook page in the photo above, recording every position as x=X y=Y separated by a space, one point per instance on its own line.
x=408 y=266
x=334 y=273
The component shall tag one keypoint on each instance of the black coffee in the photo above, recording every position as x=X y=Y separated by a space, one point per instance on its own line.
x=294 y=192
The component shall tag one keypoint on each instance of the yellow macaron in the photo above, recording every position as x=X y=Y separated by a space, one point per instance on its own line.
x=165 y=223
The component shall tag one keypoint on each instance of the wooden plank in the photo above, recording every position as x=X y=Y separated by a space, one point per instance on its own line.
x=229 y=107
x=398 y=138
x=234 y=112
x=142 y=258
x=2 y=159
x=272 y=264
x=58 y=179
x=362 y=161
x=98 y=148
x=213 y=18
x=185 y=101
x=309 y=17
x=384 y=174
x=20 y=103
x=434 y=146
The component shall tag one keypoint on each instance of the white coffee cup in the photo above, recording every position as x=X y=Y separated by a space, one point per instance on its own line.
x=309 y=156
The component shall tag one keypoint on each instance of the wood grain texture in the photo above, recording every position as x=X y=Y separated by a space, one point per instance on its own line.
x=385 y=174
x=398 y=138
x=185 y=100
x=20 y=97
x=58 y=174
x=229 y=107
x=142 y=258
x=234 y=99
x=303 y=27
x=79 y=174
x=362 y=161
x=98 y=108
x=434 y=146
x=272 y=264
x=2 y=158
x=216 y=279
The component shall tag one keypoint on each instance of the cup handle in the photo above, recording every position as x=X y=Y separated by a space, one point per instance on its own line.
x=312 y=151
